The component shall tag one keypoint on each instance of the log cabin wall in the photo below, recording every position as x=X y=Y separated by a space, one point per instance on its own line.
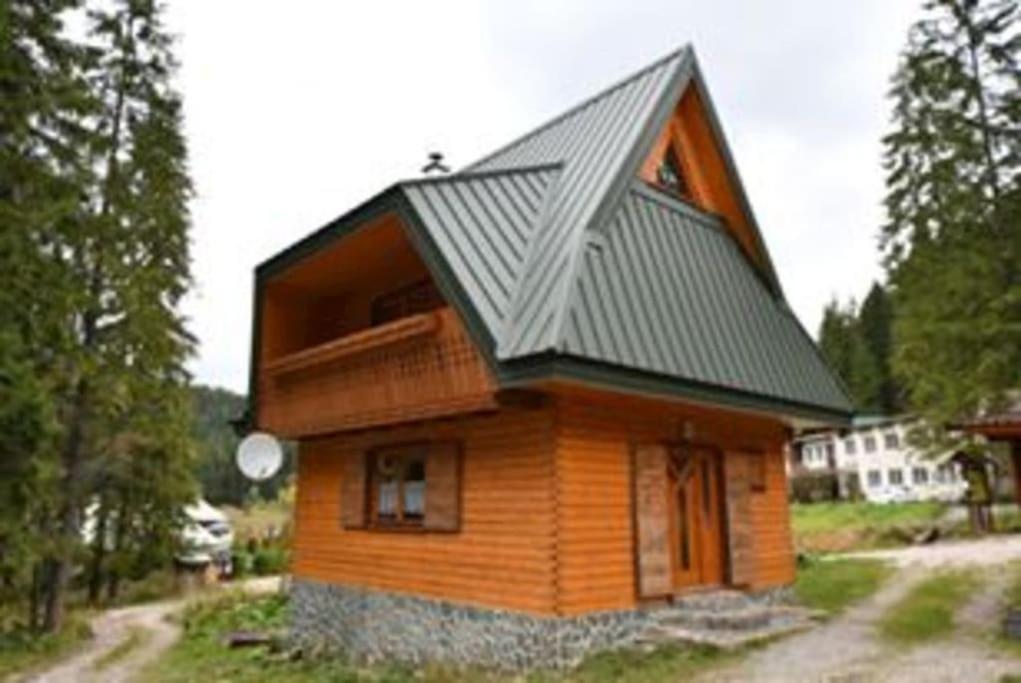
x=595 y=435
x=502 y=555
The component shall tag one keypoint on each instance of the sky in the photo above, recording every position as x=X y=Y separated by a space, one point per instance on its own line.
x=296 y=112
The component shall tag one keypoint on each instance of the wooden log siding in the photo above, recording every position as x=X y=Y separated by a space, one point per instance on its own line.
x=595 y=435
x=547 y=522
x=503 y=553
x=741 y=537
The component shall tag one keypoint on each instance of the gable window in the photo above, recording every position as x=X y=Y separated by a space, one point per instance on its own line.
x=670 y=174
x=397 y=486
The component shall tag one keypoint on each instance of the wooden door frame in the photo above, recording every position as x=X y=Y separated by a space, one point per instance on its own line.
x=715 y=454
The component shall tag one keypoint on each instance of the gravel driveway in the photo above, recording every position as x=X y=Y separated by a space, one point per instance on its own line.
x=155 y=633
x=847 y=649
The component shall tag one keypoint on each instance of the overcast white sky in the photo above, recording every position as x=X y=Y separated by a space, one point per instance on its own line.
x=295 y=112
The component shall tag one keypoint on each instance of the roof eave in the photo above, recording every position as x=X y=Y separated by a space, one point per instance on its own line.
x=551 y=366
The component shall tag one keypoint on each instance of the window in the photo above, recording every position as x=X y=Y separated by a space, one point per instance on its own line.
x=849 y=446
x=830 y=451
x=870 y=444
x=875 y=478
x=941 y=474
x=397 y=486
x=919 y=475
x=419 y=297
x=891 y=441
x=670 y=174
x=895 y=477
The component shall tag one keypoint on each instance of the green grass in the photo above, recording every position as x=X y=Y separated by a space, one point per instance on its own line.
x=22 y=650
x=841 y=525
x=927 y=611
x=135 y=638
x=832 y=585
x=201 y=655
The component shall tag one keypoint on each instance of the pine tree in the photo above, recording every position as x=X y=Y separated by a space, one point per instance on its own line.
x=125 y=412
x=845 y=348
x=875 y=320
x=44 y=101
x=953 y=237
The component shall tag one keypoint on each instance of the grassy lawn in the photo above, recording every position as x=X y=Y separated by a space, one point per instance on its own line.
x=927 y=611
x=832 y=585
x=201 y=655
x=21 y=650
x=840 y=526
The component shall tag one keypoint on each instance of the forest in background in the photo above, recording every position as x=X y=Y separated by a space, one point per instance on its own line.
x=219 y=477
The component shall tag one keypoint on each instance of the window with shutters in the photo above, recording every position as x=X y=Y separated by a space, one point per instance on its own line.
x=397 y=486
x=409 y=487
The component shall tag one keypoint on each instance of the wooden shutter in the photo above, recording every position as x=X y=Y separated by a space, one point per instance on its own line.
x=652 y=521
x=738 y=470
x=353 y=490
x=443 y=487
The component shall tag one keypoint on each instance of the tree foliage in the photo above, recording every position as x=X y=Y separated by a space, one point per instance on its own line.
x=94 y=258
x=952 y=242
x=857 y=342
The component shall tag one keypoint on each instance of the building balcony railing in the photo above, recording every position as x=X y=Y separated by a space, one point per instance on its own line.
x=418 y=367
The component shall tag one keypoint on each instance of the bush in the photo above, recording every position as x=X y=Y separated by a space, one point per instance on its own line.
x=269 y=560
x=813 y=487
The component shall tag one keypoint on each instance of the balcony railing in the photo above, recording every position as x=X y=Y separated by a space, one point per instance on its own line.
x=414 y=368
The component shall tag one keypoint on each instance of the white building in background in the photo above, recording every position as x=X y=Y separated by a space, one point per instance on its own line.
x=875 y=458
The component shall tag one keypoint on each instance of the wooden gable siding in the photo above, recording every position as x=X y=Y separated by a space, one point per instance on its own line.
x=595 y=435
x=503 y=553
x=704 y=169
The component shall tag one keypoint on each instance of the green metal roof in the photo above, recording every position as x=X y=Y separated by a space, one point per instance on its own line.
x=564 y=264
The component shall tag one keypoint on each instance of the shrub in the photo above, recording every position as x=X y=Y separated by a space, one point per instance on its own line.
x=813 y=487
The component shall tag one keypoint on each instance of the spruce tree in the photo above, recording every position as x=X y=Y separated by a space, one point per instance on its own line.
x=44 y=102
x=952 y=241
x=875 y=320
x=125 y=414
x=846 y=350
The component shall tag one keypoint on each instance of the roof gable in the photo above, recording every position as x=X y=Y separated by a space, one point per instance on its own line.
x=556 y=253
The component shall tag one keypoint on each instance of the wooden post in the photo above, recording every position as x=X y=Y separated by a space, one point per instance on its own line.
x=1015 y=457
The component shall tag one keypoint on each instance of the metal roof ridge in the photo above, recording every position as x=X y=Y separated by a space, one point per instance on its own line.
x=686 y=47
x=617 y=190
x=474 y=175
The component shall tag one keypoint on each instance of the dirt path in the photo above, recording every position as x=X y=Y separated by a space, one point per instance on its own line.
x=847 y=649
x=146 y=625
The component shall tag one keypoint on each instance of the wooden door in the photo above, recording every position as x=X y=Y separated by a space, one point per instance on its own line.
x=695 y=518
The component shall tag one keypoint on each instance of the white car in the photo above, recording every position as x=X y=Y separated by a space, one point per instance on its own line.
x=206 y=538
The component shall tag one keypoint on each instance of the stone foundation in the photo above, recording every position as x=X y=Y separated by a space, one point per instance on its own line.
x=373 y=625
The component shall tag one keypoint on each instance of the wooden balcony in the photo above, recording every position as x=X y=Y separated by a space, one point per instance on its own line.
x=414 y=368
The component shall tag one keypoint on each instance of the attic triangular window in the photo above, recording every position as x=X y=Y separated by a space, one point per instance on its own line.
x=670 y=174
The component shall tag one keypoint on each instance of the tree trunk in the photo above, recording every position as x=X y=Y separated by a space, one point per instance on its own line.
x=34 y=596
x=113 y=579
x=98 y=554
x=69 y=522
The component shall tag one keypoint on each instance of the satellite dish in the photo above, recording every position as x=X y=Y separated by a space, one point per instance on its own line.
x=259 y=456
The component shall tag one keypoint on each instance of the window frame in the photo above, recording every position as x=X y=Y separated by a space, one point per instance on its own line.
x=404 y=451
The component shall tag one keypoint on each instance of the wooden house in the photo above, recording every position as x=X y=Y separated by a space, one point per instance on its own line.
x=541 y=395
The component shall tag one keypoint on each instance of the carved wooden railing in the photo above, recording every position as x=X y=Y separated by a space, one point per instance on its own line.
x=414 y=368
